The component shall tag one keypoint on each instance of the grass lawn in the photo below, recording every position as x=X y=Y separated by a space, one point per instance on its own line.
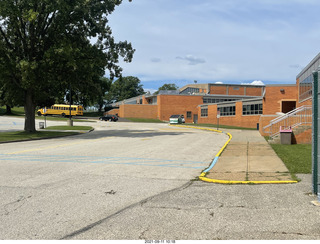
x=16 y=111
x=22 y=135
x=296 y=157
x=145 y=120
x=65 y=127
x=63 y=119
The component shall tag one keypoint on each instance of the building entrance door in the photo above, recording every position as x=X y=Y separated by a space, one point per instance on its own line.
x=195 y=119
x=288 y=106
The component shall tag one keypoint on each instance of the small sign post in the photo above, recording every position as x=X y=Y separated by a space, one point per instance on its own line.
x=45 y=117
x=218 y=117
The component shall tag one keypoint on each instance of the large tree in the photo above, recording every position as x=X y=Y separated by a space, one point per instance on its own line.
x=46 y=47
x=167 y=87
x=124 y=88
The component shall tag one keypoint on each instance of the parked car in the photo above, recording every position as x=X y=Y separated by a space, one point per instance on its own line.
x=175 y=119
x=109 y=117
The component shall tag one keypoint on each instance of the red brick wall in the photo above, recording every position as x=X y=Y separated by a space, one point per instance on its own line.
x=112 y=111
x=303 y=138
x=247 y=121
x=144 y=100
x=264 y=121
x=138 y=111
x=306 y=102
x=254 y=91
x=222 y=90
x=273 y=98
x=178 y=104
x=236 y=90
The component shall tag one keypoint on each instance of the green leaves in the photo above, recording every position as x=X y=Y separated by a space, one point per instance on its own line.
x=124 y=88
x=46 y=45
x=30 y=16
x=167 y=87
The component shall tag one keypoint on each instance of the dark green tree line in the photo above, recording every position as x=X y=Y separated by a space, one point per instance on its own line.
x=124 y=88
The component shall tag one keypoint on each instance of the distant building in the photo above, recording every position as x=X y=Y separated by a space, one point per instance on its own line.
x=245 y=105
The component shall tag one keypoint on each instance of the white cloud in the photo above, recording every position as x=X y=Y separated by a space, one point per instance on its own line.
x=254 y=83
x=230 y=40
x=192 y=60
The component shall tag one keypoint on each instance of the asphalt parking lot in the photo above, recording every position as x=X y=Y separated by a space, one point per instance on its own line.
x=55 y=187
x=139 y=181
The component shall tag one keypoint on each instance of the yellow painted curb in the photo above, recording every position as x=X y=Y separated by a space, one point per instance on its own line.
x=203 y=178
x=203 y=174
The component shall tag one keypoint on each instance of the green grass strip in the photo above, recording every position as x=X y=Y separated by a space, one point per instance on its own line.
x=145 y=120
x=54 y=118
x=65 y=127
x=22 y=135
x=296 y=157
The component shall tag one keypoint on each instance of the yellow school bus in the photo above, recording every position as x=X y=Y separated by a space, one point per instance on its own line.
x=61 y=109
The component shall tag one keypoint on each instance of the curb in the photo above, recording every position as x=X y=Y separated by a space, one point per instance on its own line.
x=215 y=160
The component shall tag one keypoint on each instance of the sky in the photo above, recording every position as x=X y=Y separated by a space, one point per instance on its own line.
x=208 y=41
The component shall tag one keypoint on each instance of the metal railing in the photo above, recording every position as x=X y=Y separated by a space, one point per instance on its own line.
x=296 y=117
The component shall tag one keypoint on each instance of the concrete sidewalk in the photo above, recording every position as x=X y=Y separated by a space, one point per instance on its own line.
x=248 y=157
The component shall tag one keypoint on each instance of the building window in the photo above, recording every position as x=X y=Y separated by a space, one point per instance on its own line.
x=189 y=115
x=252 y=109
x=217 y=100
x=305 y=88
x=190 y=90
x=204 y=112
x=227 y=111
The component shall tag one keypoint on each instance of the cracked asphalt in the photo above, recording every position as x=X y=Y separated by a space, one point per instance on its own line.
x=204 y=211
x=128 y=181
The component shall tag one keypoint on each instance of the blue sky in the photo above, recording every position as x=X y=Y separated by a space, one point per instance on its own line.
x=232 y=41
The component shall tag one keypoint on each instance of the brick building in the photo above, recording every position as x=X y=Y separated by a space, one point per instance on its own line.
x=244 y=105
x=239 y=105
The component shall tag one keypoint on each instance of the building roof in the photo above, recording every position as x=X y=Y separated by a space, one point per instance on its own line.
x=313 y=62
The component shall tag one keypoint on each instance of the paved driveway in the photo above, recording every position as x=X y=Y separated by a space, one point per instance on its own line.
x=56 y=187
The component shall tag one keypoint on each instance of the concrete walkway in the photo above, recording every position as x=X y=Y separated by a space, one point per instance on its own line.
x=248 y=157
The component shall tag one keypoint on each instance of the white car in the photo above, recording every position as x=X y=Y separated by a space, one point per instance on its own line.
x=177 y=119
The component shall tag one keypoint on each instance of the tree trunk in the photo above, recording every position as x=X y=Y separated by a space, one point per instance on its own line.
x=29 y=109
x=100 y=108
x=8 y=109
